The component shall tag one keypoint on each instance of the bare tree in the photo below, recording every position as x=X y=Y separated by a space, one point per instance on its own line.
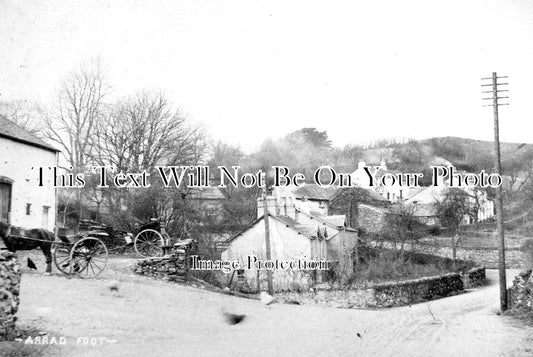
x=402 y=227
x=227 y=155
x=143 y=131
x=452 y=210
x=71 y=122
x=23 y=113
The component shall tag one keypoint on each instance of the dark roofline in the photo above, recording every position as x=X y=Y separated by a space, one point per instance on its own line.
x=304 y=233
x=232 y=238
x=338 y=228
x=326 y=223
x=41 y=146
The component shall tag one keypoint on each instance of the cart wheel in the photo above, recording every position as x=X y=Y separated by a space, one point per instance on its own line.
x=61 y=253
x=88 y=257
x=149 y=243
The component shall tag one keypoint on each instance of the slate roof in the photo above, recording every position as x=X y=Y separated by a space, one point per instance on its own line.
x=336 y=220
x=313 y=191
x=15 y=132
x=425 y=210
x=413 y=191
x=377 y=209
x=308 y=231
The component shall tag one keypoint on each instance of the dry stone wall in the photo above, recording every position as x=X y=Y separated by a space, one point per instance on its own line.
x=10 y=275
x=417 y=290
x=172 y=267
x=488 y=257
x=521 y=293
x=391 y=293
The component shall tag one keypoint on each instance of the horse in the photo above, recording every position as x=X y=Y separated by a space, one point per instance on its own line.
x=37 y=238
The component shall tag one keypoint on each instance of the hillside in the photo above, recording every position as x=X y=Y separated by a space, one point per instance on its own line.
x=466 y=154
x=472 y=156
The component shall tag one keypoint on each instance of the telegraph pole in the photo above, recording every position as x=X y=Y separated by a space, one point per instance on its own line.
x=267 y=240
x=499 y=200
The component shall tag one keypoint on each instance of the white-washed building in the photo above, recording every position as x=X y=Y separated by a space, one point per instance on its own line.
x=393 y=192
x=294 y=235
x=424 y=201
x=23 y=202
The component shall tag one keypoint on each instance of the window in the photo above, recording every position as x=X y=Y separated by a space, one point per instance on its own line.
x=44 y=223
x=28 y=209
x=240 y=274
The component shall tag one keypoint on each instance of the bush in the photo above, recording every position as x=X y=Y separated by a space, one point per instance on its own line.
x=390 y=267
x=527 y=248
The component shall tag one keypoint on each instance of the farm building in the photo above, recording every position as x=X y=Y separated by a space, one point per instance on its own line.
x=23 y=202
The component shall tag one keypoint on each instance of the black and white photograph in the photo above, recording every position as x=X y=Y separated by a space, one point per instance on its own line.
x=266 y=178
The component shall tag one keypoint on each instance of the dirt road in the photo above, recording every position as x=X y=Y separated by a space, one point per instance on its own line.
x=153 y=318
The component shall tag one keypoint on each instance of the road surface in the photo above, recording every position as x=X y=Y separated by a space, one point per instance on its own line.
x=153 y=318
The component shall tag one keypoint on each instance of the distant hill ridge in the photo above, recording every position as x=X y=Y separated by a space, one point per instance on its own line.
x=464 y=153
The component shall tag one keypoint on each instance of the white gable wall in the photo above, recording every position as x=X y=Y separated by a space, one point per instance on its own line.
x=16 y=161
x=285 y=243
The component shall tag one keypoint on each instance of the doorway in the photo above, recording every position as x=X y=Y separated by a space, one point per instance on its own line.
x=5 y=201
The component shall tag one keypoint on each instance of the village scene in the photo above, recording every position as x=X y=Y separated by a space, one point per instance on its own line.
x=128 y=227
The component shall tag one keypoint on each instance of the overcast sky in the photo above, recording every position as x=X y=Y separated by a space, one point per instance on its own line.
x=248 y=70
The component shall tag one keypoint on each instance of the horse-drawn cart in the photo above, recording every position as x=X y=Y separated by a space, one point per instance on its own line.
x=152 y=240
x=84 y=256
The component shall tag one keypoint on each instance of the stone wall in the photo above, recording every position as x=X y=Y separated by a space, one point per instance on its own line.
x=10 y=274
x=521 y=293
x=488 y=257
x=371 y=219
x=391 y=293
x=474 y=277
x=347 y=201
x=417 y=290
x=171 y=268
x=342 y=298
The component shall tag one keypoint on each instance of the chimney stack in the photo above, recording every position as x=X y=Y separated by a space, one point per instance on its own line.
x=273 y=208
